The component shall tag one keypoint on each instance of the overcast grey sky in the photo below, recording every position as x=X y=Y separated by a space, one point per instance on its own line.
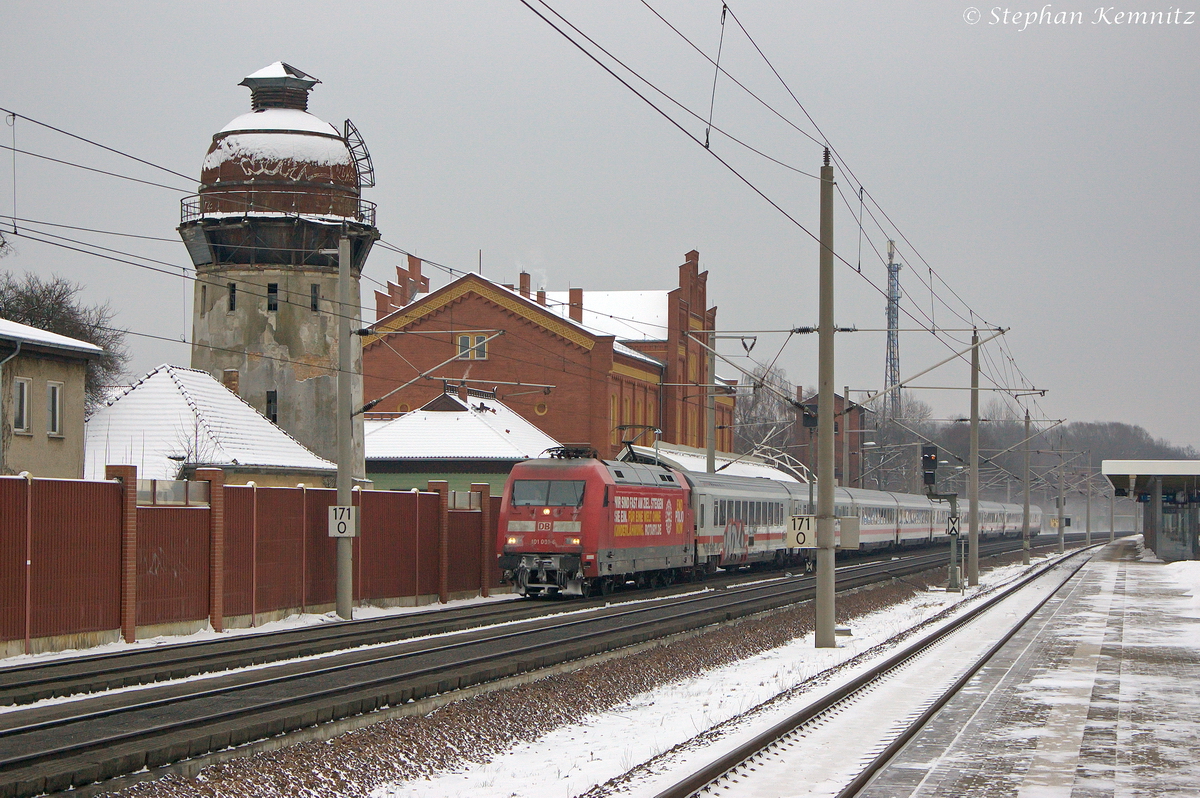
x=1049 y=173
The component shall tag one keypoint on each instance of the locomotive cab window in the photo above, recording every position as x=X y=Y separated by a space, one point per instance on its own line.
x=548 y=492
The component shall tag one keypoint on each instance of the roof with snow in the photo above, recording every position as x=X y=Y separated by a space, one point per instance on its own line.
x=652 y=327
x=286 y=120
x=280 y=71
x=177 y=416
x=688 y=459
x=449 y=428
x=629 y=315
x=14 y=331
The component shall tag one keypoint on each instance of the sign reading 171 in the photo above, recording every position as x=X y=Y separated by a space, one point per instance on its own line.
x=343 y=521
x=802 y=534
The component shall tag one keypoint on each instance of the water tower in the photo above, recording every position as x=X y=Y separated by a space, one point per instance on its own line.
x=278 y=189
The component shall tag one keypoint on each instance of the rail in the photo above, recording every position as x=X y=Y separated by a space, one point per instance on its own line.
x=75 y=743
x=705 y=776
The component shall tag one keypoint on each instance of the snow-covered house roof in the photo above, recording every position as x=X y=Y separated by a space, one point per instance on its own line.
x=449 y=428
x=629 y=315
x=26 y=335
x=644 y=319
x=177 y=416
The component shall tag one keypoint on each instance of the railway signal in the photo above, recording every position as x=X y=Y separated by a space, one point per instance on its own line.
x=929 y=463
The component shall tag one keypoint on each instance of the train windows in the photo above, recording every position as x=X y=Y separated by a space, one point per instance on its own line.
x=547 y=493
x=701 y=515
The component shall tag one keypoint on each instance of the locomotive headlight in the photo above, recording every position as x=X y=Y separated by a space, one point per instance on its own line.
x=545 y=511
x=512 y=540
x=574 y=541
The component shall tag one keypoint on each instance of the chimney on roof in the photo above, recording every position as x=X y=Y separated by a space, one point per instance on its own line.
x=576 y=305
x=229 y=378
x=541 y=296
x=525 y=284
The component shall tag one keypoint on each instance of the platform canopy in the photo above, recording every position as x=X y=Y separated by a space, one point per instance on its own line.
x=1135 y=476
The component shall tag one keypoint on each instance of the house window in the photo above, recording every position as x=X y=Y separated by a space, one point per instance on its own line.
x=273 y=406
x=21 y=388
x=468 y=350
x=314 y=296
x=272 y=296
x=232 y=297
x=54 y=397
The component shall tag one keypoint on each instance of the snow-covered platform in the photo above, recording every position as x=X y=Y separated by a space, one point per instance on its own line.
x=1099 y=695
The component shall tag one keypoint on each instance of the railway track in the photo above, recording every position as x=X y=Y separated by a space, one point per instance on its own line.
x=749 y=764
x=31 y=682
x=55 y=746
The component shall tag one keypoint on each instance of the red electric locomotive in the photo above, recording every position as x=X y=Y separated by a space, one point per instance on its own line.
x=576 y=525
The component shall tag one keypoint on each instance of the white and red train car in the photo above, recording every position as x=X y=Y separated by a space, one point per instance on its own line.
x=577 y=525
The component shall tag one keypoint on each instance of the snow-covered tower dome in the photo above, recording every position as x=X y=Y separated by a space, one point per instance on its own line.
x=278 y=188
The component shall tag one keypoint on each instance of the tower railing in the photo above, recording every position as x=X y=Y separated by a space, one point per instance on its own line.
x=295 y=204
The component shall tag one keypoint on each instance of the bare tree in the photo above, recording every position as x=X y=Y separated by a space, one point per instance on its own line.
x=763 y=414
x=53 y=305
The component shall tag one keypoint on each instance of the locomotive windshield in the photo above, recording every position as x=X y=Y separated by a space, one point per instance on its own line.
x=548 y=492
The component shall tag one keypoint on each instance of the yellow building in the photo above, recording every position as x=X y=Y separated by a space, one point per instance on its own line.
x=42 y=378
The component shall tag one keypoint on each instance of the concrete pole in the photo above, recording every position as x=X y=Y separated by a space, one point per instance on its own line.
x=1025 y=515
x=846 y=438
x=824 y=601
x=345 y=431
x=1062 y=500
x=710 y=405
x=1087 y=524
x=973 y=490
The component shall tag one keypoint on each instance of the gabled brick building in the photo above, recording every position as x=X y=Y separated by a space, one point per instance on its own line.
x=579 y=364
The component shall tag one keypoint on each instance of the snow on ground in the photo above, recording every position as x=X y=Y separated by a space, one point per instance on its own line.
x=291 y=622
x=572 y=759
x=1186 y=574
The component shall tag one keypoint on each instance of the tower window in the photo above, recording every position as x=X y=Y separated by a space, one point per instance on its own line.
x=273 y=406
x=468 y=350
x=232 y=297
x=314 y=296
x=272 y=296
x=203 y=299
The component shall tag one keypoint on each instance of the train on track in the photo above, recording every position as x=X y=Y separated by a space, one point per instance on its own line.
x=572 y=524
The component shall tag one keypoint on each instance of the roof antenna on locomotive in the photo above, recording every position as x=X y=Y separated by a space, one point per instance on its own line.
x=573 y=453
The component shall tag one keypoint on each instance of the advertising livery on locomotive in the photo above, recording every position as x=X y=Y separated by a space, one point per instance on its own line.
x=576 y=525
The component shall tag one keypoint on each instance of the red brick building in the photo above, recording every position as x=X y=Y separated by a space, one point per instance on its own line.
x=854 y=426
x=577 y=364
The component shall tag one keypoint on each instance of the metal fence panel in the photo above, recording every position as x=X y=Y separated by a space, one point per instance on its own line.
x=172 y=564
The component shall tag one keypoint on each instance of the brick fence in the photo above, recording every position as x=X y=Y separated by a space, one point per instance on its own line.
x=83 y=563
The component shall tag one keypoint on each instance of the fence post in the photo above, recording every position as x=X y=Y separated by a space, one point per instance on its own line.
x=253 y=552
x=487 y=536
x=215 y=478
x=356 y=499
x=28 y=559
x=442 y=488
x=127 y=476
x=303 y=547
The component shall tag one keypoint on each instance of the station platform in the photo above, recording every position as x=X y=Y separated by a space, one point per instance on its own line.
x=1099 y=695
